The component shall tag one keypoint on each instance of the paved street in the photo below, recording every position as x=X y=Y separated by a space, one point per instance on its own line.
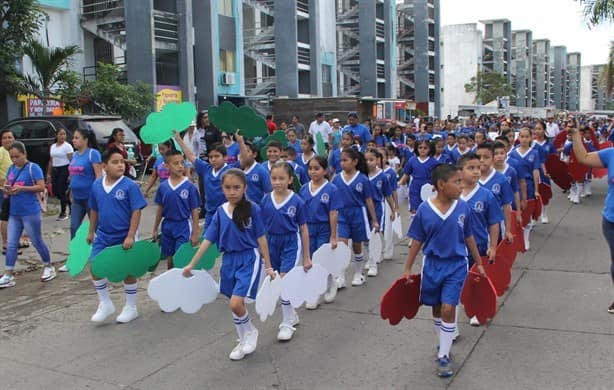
x=552 y=330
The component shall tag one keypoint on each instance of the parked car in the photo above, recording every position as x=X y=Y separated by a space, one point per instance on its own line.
x=38 y=133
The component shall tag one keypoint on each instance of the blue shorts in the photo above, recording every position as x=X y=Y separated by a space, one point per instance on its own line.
x=174 y=234
x=354 y=224
x=482 y=249
x=442 y=281
x=285 y=251
x=102 y=241
x=415 y=200
x=319 y=234
x=240 y=273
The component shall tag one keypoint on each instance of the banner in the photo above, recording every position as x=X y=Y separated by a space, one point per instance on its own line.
x=166 y=94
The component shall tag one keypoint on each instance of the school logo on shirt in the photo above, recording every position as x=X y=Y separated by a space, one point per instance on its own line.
x=461 y=220
x=359 y=187
x=184 y=194
x=509 y=179
x=120 y=195
x=291 y=211
x=496 y=189
x=255 y=177
x=324 y=198
x=249 y=223
x=378 y=184
x=531 y=158
x=478 y=207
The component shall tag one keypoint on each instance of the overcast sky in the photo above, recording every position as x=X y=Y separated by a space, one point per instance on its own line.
x=561 y=21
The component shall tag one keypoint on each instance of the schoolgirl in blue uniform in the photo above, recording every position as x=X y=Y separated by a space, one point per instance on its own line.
x=335 y=155
x=461 y=149
x=239 y=233
x=258 y=180
x=285 y=220
x=393 y=182
x=378 y=136
x=442 y=229
x=501 y=165
x=528 y=168
x=293 y=141
x=545 y=149
x=419 y=168
x=290 y=158
x=381 y=192
x=178 y=200
x=306 y=154
x=211 y=172
x=115 y=212
x=440 y=154
x=357 y=196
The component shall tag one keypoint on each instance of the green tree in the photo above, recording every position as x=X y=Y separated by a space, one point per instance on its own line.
x=19 y=22
x=598 y=11
x=112 y=96
x=487 y=86
x=52 y=76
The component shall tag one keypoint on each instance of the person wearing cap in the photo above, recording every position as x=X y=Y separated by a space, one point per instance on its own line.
x=192 y=138
x=357 y=129
x=319 y=125
x=334 y=139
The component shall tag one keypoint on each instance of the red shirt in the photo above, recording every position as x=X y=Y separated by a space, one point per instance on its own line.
x=271 y=126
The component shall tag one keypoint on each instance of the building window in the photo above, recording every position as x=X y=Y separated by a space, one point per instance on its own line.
x=224 y=7
x=227 y=61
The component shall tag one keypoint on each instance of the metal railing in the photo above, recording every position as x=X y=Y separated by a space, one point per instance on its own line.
x=100 y=8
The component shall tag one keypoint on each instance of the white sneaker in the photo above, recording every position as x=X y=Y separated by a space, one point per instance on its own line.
x=455 y=337
x=311 y=306
x=545 y=219
x=587 y=188
x=372 y=270
x=474 y=321
x=7 y=281
x=237 y=352
x=576 y=198
x=358 y=280
x=366 y=266
x=128 y=314
x=63 y=268
x=48 y=274
x=250 y=341
x=104 y=310
x=340 y=282
x=286 y=331
x=331 y=293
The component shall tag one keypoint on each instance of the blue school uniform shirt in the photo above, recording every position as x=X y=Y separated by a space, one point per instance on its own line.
x=456 y=154
x=232 y=154
x=546 y=148
x=443 y=158
x=214 y=196
x=335 y=160
x=486 y=211
x=607 y=160
x=380 y=140
x=321 y=202
x=527 y=162
x=296 y=145
x=302 y=162
x=355 y=191
x=512 y=178
x=406 y=153
x=177 y=202
x=116 y=206
x=420 y=170
x=391 y=175
x=82 y=174
x=359 y=130
x=380 y=186
x=442 y=235
x=498 y=185
x=229 y=238
x=258 y=182
x=299 y=171
x=285 y=217
x=24 y=203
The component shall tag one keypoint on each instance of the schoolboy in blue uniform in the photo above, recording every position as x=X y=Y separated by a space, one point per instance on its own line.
x=442 y=228
x=178 y=200
x=115 y=212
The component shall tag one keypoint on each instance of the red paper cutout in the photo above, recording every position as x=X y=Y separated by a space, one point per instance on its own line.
x=518 y=234
x=506 y=252
x=560 y=139
x=499 y=273
x=558 y=172
x=545 y=191
x=479 y=297
x=401 y=300
x=538 y=209
x=529 y=212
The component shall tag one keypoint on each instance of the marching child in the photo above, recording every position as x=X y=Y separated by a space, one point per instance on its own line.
x=293 y=141
x=357 y=198
x=391 y=175
x=443 y=225
x=115 y=212
x=307 y=153
x=285 y=220
x=419 y=168
x=177 y=199
x=335 y=155
x=486 y=211
x=440 y=154
x=159 y=171
x=546 y=148
x=273 y=154
x=258 y=179
x=501 y=165
x=461 y=149
x=290 y=157
x=239 y=233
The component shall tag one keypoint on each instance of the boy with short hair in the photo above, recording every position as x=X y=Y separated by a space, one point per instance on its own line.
x=443 y=225
x=178 y=200
x=511 y=176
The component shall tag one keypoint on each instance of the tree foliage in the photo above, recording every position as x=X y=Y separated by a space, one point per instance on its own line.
x=487 y=86
x=19 y=22
x=112 y=96
x=598 y=11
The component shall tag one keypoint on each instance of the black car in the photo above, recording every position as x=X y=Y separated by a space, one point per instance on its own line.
x=38 y=133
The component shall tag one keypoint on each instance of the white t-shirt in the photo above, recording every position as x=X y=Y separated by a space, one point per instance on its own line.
x=552 y=130
x=59 y=154
x=322 y=128
x=394 y=163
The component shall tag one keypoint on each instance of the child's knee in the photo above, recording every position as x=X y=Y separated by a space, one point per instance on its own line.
x=237 y=305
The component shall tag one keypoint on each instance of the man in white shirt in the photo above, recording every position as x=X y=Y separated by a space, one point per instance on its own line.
x=552 y=128
x=320 y=126
x=192 y=138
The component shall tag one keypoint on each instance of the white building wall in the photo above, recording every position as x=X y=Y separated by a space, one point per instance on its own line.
x=586 y=87
x=461 y=59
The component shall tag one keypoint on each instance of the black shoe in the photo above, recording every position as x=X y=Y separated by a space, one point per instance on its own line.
x=611 y=309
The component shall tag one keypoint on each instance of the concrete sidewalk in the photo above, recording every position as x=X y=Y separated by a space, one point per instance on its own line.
x=552 y=330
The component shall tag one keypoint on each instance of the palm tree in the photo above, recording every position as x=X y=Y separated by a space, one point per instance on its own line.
x=50 y=67
x=598 y=11
x=607 y=75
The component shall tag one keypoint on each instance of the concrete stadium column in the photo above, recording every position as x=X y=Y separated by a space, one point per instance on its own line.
x=140 y=49
x=186 y=49
x=390 y=47
x=314 y=41
x=286 y=49
x=368 y=48
x=204 y=21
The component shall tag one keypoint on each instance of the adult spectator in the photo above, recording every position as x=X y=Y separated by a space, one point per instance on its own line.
x=270 y=124
x=357 y=129
x=57 y=171
x=209 y=134
x=7 y=138
x=192 y=138
x=601 y=159
x=298 y=127
x=24 y=181
x=117 y=141
x=319 y=126
x=552 y=128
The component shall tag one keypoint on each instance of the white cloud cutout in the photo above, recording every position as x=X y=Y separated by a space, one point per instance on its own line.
x=334 y=260
x=298 y=286
x=268 y=297
x=173 y=291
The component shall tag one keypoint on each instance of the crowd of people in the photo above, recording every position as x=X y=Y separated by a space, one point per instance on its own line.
x=268 y=217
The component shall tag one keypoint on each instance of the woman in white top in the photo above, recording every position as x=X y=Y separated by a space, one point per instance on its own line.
x=57 y=170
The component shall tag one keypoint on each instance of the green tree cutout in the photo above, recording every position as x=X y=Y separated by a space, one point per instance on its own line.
x=487 y=86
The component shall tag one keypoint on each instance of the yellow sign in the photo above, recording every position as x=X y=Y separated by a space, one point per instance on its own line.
x=167 y=94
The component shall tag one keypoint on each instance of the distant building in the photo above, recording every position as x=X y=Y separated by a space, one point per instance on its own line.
x=558 y=61
x=574 y=64
x=497 y=47
x=522 y=68
x=462 y=60
x=592 y=89
x=542 y=74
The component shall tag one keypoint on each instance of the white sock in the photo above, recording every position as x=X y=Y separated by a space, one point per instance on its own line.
x=102 y=289
x=287 y=311
x=130 y=290
x=446 y=335
x=436 y=325
x=238 y=324
x=544 y=212
x=527 y=232
x=358 y=259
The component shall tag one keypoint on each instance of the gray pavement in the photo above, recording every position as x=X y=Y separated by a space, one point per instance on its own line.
x=552 y=330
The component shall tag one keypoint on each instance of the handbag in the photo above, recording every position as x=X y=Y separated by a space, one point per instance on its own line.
x=6 y=205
